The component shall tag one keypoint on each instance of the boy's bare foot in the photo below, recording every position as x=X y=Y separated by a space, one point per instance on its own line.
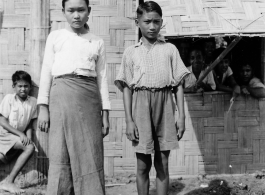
x=10 y=187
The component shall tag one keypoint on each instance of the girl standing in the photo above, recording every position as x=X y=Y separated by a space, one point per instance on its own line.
x=74 y=95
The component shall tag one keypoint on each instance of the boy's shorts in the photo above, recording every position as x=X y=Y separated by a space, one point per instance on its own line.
x=153 y=114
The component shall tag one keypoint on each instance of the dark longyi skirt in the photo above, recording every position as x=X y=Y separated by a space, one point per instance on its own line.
x=75 y=139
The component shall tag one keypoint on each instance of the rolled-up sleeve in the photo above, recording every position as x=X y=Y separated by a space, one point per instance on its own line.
x=102 y=77
x=125 y=74
x=46 y=76
x=179 y=70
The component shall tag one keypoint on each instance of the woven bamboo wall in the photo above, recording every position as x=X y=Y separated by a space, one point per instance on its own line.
x=213 y=17
x=213 y=140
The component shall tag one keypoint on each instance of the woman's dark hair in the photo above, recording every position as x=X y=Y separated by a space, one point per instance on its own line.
x=87 y=3
x=21 y=75
x=64 y=1
x=148 y=6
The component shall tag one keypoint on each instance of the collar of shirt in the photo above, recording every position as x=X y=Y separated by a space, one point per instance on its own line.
x=16 y=98
x=160 y=39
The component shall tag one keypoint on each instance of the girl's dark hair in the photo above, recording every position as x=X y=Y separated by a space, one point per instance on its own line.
x=148 y=6
x=21 y=75
x=87 y=3
x=64 y=1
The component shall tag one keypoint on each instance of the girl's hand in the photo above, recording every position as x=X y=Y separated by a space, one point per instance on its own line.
x=180 y=125
x=43 y=118
x=105 y=119
x=132 y=131
x=24 y=139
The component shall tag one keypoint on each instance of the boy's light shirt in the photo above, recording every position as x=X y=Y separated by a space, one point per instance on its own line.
x=19 y=114
x=227 y=74
x=66 y=53
x=191 y=80
x=157 y=67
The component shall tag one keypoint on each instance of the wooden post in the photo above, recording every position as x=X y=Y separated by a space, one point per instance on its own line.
x=39 y=30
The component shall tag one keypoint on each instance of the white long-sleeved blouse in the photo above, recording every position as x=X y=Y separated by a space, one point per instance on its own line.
x=66 y=53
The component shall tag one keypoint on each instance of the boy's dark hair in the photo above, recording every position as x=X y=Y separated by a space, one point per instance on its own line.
x=148 y=6
x=21 y=75
x=64 y=1
x=197 y=47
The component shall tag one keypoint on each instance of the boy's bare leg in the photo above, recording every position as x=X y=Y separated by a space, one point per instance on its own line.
x=162 y=175
x=8 y=184
x=144 y=163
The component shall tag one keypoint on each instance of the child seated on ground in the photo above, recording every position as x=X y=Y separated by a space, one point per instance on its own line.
x=16 y=113
x=196 y=67
x=223 y=74
x=249 y=83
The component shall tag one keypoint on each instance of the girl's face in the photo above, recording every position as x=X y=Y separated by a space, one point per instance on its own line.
x=223 y=65
x=22 y=89
x=76 y=13
x=196 y=60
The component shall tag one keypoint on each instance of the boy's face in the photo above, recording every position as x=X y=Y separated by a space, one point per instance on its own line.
x=209 y=47
x=22 y=89
x=246 y=73
x=184 y=50
x=196 y=60
x=223 y=65
x=76 y=13
x=150 y=24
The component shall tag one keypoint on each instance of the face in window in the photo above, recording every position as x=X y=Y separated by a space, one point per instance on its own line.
x=223 y=65
x=184 y=50
x=246 y=73
x=209 y=47
x=196 y=60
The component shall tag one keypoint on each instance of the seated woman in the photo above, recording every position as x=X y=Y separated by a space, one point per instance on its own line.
x=249 y=83
x=196 y=67
x=223 y=74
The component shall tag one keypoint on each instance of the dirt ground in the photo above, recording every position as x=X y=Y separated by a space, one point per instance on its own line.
x=251 y=184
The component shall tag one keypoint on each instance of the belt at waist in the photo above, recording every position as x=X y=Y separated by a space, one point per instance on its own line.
x=64 y=76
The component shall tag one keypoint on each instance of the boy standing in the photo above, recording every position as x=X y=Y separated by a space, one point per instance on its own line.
x=149 y=71
x=16 y=114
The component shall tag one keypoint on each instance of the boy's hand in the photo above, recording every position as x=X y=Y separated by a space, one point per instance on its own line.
x=180 y=125
x=132 y=131
x=24 y=139
x=236 y=91
x=43 y=118
x=105 y=128
x=244 y=90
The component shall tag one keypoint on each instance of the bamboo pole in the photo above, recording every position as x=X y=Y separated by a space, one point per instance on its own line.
x=220 y=57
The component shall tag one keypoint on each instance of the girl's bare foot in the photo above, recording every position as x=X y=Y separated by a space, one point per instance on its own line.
x=10 y=187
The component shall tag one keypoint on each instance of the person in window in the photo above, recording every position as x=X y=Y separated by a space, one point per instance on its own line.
x=249 y=84
x=196 y=67
x=223 y=74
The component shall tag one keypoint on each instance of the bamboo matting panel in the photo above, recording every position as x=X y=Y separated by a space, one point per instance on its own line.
x=212 y=17
x=215 y=142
